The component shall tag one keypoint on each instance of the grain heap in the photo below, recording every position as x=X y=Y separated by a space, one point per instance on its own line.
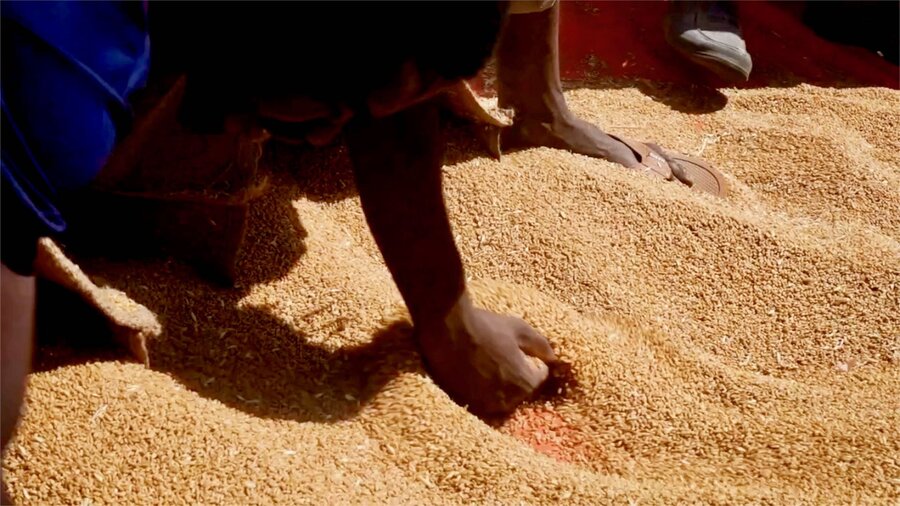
x=727 y=351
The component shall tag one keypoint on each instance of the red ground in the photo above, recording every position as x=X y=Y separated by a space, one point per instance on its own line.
x=625 y=39
x=542 y=428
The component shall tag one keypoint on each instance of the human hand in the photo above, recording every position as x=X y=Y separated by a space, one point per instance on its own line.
x=485 y=361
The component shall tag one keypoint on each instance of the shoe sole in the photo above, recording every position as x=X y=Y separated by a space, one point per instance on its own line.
x=727 y=69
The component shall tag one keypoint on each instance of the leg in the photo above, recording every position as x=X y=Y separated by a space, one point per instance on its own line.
x=17 y=327
x=529 y=83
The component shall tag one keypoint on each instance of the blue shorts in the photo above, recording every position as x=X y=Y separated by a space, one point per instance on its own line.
x=68 y=69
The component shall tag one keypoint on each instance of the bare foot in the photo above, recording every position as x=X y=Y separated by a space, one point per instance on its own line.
x=579 y=136
x=569 y=133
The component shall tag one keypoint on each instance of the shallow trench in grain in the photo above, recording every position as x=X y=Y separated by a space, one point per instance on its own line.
x=734 y=350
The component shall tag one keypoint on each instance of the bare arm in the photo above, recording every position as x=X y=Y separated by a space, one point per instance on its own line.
x=478 y=357
x=397 y=161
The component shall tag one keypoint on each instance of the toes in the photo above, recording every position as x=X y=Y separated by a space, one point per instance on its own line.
x=677 y=169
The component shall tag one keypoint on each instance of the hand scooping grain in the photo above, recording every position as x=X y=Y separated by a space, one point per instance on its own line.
x=490 y=362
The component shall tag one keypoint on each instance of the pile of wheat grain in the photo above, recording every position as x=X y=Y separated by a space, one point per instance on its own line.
x=731 y=350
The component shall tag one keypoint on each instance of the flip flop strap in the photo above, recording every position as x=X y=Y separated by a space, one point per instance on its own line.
x=649 y=160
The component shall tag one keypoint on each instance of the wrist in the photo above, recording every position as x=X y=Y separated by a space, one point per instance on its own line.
x=450 y=319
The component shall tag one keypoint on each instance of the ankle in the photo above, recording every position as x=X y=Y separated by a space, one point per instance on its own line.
x=556 y=116
x=548 y=107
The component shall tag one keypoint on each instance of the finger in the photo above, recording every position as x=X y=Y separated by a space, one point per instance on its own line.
x=534 y=344
x=541 y=370
x=532 y=372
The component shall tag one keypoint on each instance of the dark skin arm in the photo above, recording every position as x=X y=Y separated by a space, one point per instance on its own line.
x=477 y=357
x=397 y=162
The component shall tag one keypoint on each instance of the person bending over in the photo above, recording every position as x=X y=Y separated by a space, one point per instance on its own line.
x=368 y=70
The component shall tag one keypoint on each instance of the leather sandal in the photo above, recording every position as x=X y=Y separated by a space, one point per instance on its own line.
x=694 y=172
